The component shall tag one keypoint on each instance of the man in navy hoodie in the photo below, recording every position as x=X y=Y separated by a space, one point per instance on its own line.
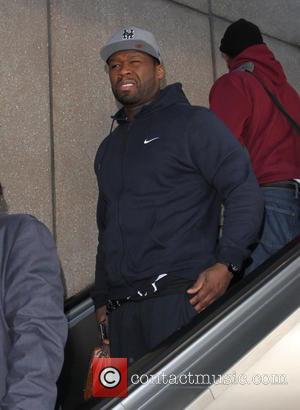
x=163 y=172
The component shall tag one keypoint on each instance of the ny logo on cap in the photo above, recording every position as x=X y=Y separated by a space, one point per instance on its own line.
x=128 y=34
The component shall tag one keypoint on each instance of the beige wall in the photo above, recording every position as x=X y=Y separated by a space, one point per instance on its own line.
x=56 y=100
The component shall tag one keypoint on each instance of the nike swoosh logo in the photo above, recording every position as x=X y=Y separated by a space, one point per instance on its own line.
x=148 y=141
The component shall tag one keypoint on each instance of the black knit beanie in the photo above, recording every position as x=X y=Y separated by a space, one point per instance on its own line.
x=238 y=36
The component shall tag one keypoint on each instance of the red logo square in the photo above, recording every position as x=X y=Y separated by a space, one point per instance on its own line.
x=110 y=377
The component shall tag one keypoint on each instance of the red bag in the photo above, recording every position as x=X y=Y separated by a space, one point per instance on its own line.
x=101 y=351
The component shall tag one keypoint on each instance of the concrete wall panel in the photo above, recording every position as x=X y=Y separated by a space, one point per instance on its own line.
x=219 y=27
x=201 y=5
x=24 y=92
x=278 y=18
x=83 y=103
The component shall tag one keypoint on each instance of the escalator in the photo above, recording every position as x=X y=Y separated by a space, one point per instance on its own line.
x=210 y=345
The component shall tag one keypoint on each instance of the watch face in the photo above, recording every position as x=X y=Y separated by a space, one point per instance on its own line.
x=233 y=268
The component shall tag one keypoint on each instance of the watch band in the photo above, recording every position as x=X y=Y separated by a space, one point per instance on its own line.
x=232 y=267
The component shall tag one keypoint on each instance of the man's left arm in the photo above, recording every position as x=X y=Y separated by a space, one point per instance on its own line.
x=225 y=166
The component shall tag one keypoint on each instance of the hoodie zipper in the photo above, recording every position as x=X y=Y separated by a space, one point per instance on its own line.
x=124 y=152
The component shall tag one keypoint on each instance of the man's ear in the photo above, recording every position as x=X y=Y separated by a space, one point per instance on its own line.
x=160 y=70
x=226 y=57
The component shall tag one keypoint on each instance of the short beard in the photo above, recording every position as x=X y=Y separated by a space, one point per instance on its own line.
x=126 y=99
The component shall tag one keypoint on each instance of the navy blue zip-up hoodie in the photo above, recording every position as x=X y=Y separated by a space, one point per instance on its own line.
x=162 y=178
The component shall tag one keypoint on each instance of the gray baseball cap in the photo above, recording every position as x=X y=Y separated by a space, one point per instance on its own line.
x=131 y=38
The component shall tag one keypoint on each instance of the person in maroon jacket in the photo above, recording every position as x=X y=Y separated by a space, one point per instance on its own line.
x=240 y=99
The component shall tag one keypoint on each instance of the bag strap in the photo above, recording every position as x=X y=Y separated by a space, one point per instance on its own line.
x=248 y=67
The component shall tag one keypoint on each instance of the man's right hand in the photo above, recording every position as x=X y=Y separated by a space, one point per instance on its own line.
x=101 y=317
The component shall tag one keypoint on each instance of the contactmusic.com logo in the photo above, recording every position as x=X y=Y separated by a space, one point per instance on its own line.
x=110 y=377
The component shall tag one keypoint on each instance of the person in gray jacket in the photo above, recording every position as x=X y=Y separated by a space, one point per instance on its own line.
x=33 y=328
